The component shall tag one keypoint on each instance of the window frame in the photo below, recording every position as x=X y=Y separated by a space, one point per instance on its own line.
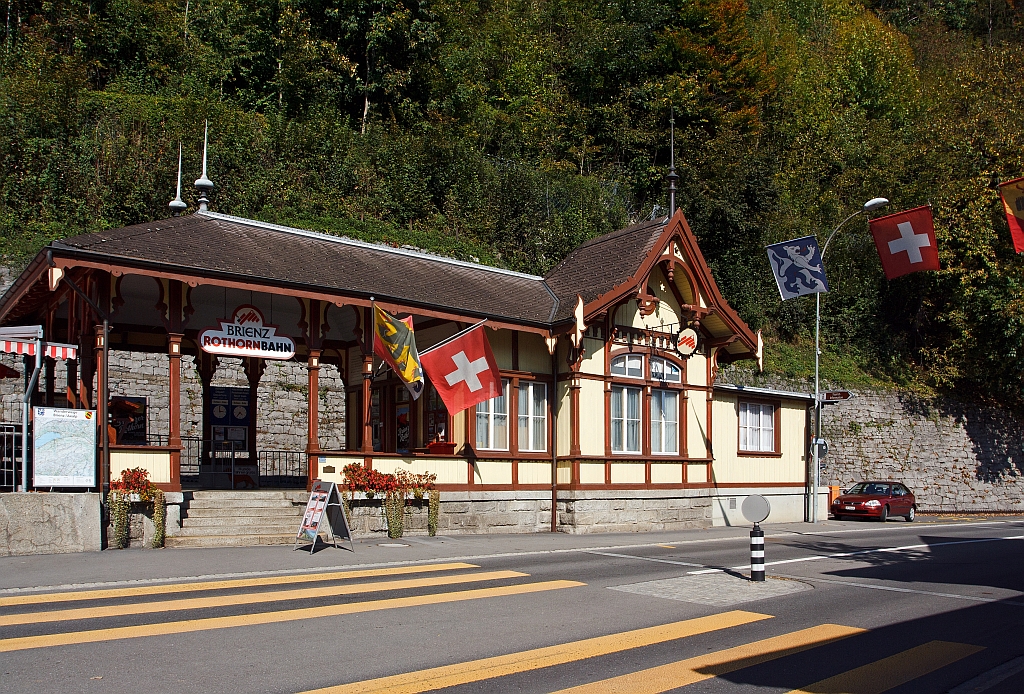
x=506 y=387
x=532 y=419
x=626 y=388
x=667 y=361
x=625 y=359
x=674 y=392
x=776 y=406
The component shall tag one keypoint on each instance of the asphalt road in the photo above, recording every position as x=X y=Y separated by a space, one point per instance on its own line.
x=933 y=606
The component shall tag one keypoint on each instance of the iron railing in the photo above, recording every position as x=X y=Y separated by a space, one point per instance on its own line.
x=282 y=468
x=10 y=457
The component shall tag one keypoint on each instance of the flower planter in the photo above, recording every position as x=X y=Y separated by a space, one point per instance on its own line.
x=441 y=448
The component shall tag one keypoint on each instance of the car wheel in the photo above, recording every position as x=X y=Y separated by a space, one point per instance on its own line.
x=884 y=515
x=912 y=515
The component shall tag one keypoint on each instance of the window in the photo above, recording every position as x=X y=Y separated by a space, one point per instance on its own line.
x=664 y=370
x=631 y=365
x=533 y=408
x=492 y=421
x=664 y=421
x=757 y=427
x=625 y=419
x=435 y=416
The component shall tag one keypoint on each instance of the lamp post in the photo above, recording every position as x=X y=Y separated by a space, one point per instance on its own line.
x=870 y=205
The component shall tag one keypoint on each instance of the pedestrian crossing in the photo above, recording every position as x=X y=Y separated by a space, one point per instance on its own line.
x=214 y=595
x=49 y=620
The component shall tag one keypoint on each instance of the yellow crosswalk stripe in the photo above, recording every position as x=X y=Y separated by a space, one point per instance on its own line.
x=524 y=661
x=888 y=673
x=191 y=625
x=250 y=598
x=71 y=596
x=704 y=667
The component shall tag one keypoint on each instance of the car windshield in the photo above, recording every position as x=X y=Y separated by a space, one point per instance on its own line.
x=869 y=488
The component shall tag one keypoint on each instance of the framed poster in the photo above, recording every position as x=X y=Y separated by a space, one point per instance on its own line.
x=63 y=447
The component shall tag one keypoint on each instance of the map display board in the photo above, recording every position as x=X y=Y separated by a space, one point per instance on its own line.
x=63 y=447
x=324 y=505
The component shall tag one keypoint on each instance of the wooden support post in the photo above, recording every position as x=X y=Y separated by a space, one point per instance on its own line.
x=174 y=407
x=254 y=368
x=313 y=416
x=206 y=368
x=49 y=366
x=102 y=402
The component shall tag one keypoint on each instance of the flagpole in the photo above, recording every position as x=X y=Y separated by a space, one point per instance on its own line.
x=454 y=337
x=872 y=204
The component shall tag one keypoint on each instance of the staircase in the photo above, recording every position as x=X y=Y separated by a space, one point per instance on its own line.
x=239 y=519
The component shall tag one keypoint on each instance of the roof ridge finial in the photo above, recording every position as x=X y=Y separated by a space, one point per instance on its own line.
x=672 y=176
x=204 y=184
x=177 y=205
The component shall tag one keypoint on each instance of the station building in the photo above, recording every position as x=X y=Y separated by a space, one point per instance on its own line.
x=611 y=412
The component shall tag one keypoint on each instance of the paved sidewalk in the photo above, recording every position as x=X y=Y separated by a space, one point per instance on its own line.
x=87 y=568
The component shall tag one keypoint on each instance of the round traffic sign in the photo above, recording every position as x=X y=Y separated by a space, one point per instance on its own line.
x=755 y=508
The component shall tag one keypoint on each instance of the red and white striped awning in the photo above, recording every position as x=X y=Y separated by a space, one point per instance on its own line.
x=18 y=347
x=57 y=351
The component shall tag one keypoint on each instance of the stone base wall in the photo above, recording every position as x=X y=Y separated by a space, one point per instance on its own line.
x=954 y=455
x=37 y=523
x=280 y=414
x=461 y=513
x=466 y=513
x=633 y=511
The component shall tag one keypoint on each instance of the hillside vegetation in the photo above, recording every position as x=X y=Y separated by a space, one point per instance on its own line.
x=512 y=131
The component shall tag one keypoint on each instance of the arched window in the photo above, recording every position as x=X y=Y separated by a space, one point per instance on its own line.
x=631 y=365
x=666 y=371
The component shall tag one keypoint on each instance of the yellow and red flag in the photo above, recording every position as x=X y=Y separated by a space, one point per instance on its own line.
x=1012 y=193
x=394 y=342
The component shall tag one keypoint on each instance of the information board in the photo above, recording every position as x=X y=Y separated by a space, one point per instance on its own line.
x=63 y=447
x=324 y=510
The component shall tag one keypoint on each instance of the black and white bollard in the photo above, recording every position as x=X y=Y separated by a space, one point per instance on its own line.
x=756 y=553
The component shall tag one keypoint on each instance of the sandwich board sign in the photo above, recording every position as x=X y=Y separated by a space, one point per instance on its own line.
x=324 y=510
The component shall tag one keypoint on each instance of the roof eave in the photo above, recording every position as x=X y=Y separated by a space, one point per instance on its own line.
x=102 y=260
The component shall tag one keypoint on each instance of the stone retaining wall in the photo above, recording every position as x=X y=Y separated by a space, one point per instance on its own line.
x=954 y=455
x=37 y=523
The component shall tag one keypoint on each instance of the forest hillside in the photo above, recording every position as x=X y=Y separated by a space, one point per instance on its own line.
x=511 y=131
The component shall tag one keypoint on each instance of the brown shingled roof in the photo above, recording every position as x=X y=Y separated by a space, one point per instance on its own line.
x=602 y=263
x=215 y=244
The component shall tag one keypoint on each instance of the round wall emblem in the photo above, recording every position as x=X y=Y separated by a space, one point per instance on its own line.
x=687 y=342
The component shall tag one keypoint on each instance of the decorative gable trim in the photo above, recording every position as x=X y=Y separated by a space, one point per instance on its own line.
x=677 y=250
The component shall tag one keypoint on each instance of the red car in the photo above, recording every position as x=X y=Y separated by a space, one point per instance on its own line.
x=875 y=500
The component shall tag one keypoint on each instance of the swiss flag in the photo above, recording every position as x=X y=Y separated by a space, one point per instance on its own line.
x=463 y=371
x=906 y=242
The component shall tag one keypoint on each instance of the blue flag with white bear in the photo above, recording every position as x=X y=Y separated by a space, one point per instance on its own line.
x=798 y=268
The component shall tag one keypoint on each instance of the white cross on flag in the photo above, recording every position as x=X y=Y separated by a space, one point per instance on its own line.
x=463 y=370
x=906 y=242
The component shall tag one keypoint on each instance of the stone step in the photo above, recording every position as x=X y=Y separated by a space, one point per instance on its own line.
x=180 y=541
x=282 y=495
x=263 y=511
x=238 y=521
x=275 y=529
x=241 y=503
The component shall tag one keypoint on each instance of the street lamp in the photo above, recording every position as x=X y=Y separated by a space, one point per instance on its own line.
x=870 y=205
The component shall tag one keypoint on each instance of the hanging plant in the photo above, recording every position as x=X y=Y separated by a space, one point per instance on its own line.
x=433 y=511
x=394 y=512
x=159 y=518
x=120 y=511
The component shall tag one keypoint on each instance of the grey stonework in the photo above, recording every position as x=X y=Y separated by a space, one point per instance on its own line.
x=955 y=456
x=466 y=513
x=49 y=523
x=281 y=413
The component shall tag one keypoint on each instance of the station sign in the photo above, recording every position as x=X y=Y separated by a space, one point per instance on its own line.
x=247 y=335
x=687 y=342
x=835 y=395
